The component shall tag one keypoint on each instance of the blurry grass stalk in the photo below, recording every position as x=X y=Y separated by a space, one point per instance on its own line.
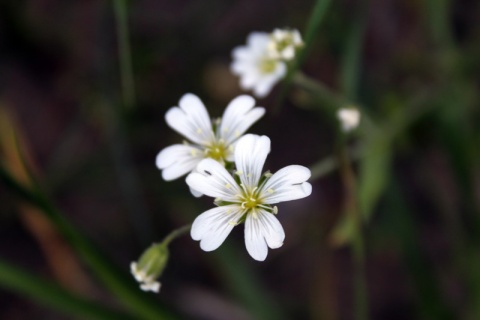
x=124 y=53
x=118 y=282
x=455 y=132
x=129 y=182
x=246 y=286
x=424 y=276
x=313 y=26
x=52 y=295
x=352 y=212
x=349 y=83
x=329 y=164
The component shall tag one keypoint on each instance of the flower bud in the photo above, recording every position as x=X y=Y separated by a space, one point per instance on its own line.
x=349 y=118
x=150 y=266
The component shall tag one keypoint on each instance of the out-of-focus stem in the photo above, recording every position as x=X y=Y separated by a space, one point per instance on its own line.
x=358 y=246
x=124 y=53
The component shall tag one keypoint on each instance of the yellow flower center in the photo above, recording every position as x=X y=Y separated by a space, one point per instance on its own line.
x=267 y=66
x=217 y=151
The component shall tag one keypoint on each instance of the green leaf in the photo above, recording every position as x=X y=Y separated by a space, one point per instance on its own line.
x=374 y=171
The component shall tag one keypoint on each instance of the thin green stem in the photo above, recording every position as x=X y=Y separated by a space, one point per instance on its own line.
x=124 y=53
x=330 y=164
x=176 y=233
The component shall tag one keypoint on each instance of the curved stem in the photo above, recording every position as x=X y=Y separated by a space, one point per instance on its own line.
x=175 y=234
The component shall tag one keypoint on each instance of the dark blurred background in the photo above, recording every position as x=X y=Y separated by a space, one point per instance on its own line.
x=94 y=154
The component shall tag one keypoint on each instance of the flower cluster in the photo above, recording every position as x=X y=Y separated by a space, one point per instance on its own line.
x=223 y=163
x=262 y=62
x=242 y=195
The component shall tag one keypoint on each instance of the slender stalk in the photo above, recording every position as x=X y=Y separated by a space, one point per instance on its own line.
x=124 y=53
x=330 y=164
x=176 y=233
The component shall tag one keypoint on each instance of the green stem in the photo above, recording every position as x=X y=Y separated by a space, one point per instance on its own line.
x=330 y=164
x=176 y=233
x=53 y=295
x=326 y=98
x=124 y=53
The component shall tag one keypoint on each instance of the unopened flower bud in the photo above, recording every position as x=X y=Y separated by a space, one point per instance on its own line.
x=150 y=266
x=349 y=118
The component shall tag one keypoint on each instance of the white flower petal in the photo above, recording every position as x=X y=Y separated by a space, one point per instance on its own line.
x=213 y=226
x=250 y=154
x=241 y=53
x=263 y=86
x=287 y=184
x=195 y=193
x=191 y=119
x=151 y=286
x=177 y=160
x=271 y=228
x=258 y=40
x=213 y=180
x=254 y=239
x=239 y=115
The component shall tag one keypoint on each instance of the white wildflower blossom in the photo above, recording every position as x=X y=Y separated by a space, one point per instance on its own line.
x=258 y=70
x=349 y=118
x=284 y=43
x=205 y=139
x=249 y=197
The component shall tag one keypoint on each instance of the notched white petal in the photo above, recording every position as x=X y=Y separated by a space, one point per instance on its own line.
x=177 y=160
x=191 y=119
x=213 y=180
x=254 y=240
x=213 y=226
x=239 y=115
x=287 y=184
x=250 y=154
x=272 y=230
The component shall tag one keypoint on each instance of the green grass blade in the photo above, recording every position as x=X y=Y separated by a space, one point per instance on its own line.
x=117 y=281
x=52 y=295
x=246 y=287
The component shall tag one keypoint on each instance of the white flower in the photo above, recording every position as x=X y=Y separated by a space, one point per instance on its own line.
x=207 y=140
x=247 y=198
x=349 y=118
x=258 y=70
x=284 y=43
x=147 y=283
